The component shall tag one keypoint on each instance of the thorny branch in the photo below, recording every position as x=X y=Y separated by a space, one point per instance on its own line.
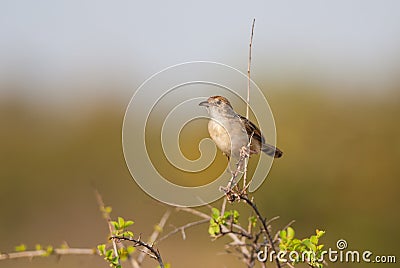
x=154 y=235
x=155 y=254
x=135 y=263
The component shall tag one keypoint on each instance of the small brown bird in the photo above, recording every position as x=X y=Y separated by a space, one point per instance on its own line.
x=231 y=131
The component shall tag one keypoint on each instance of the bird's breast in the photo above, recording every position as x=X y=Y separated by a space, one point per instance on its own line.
x=220 y=136
x=229 y=138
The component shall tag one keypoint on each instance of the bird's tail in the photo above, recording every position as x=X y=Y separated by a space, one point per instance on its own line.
x=271 y=150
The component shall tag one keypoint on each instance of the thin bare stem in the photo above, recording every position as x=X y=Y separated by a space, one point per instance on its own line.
x=223 y=206
x=284 y=228
x=194 y=212
x=234 y=237
x=182 y=229
x=248 y=68
x=43 y=253
x=272 y=219
x=248 y=98
x=107 y=217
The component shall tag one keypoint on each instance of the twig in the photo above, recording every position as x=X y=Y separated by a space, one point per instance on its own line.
x=194 y=212
x=223 y=207
x=291 y=266
x=205 y=216
x=248 y=97
x=248 y=69
x=43 y=253
x=107 y=217
x=154 y=235
x=244 y=153
x=182 y=229
x=238 y=233
x=273 y=219
x=287 y=225
x=245 y=186
x=137 y=242
x=235 y=238
x=263 y=222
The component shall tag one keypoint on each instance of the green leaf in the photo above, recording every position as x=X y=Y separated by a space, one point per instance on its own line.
x=319 y=233
x=102 y=249
x=127 y=234
x=128 y=223
x=38 y=247
x=108 y=209
x=227 y=215
x=235 y=215
x=290 y=233
x=20 y=248
x=130 y=249
x=123 y=256
x=109 y=253
x=213 y=229
x=282 y=234
x=314 y=239
x=121 y=223
x=115 y=225
x=253 y=221
x=49 y=250
x=115 y=261
x=215 y=213
x=296 y=241
x=309 y=244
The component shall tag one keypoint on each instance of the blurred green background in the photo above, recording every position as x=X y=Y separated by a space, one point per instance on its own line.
x=329 y=71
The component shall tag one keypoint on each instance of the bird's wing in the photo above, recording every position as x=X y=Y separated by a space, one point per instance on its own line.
x=252 y=129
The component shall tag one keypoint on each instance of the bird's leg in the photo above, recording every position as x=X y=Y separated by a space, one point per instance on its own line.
x=240 y=166
x=245 y=152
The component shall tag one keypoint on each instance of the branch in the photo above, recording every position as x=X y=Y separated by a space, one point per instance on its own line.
x=284 y=228
x=44 y=253
x=194 y=212
x=248 y=100
x=248 y=69
x=234 y=237
x=107 y=217
x=263 y=222
x=137 y=242
x=182 y=229
x=154 y=235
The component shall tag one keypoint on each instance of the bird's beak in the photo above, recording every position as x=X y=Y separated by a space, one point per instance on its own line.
x=204 y=103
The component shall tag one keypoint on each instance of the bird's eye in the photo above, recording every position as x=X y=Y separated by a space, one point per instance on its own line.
x=218 y=102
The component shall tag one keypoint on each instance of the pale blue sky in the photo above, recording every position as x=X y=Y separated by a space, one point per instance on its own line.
x=55 y=42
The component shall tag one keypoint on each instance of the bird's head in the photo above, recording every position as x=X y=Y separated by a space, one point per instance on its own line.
x=218 y=106
x=216 y=101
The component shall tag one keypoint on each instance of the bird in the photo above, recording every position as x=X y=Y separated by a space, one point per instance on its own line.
x=231 y=131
